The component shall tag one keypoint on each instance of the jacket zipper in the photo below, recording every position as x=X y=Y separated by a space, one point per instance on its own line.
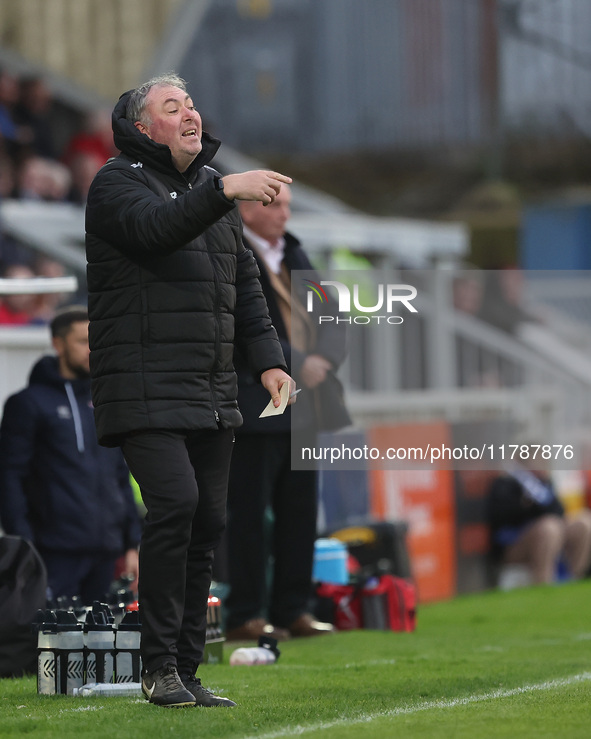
x=216 y=415
x=217 y=337
x=217 y=341
x=75 y=416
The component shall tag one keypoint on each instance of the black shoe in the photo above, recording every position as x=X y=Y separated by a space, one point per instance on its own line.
x=203 y=696
x=163 y=687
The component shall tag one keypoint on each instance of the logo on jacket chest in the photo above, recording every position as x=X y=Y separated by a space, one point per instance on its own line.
x=173 y=195
x=64 y=412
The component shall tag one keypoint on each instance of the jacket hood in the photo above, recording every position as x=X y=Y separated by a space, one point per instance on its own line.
x=46 y=372
x=138 y=146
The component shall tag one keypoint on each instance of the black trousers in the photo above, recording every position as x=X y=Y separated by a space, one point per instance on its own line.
x=183 y=478
x=261 y=475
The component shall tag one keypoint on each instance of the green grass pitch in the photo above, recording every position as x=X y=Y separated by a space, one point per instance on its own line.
x=514 y=664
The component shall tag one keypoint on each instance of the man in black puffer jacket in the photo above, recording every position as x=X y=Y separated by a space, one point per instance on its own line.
x=58 y=488
x=171 y=289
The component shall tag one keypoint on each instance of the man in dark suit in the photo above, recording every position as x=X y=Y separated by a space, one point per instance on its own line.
x=261 y=474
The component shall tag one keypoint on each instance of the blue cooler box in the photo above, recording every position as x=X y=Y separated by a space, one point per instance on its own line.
x=330 y=562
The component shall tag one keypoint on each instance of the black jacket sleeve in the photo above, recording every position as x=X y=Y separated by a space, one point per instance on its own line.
x=125 y=212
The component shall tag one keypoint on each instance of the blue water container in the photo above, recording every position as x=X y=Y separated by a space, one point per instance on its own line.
x=330 y=562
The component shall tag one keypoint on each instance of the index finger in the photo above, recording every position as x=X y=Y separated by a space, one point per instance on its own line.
x=280 y=177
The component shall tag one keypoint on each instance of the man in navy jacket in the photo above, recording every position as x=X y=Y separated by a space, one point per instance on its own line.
x=58 y=488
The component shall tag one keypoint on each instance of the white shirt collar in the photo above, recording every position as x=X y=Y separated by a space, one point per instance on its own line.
x=271 y=253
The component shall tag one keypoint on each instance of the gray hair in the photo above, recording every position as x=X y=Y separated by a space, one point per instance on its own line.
x=136 y=105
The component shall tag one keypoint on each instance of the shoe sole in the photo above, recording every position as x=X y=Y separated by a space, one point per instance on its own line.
x=170 y=705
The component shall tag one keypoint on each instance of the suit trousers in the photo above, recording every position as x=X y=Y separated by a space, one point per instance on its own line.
x=261 y=476
x=183 y=478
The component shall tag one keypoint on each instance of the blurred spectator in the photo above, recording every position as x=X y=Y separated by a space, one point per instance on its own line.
x=9 y=129
x=32 y=164
x=95 y=139
x=48 y=303
x=10 y=250
x=502 y=301
x=58 y=488
x=7 y=176
x=34 y=113
x=59 y=182
x=18 y=310
x=43 y=179
x=529 y=526
x=31 y=179
x=83 y=168
x=468 y=291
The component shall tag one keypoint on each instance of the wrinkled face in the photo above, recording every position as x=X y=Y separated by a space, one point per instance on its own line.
x=268 y=221
x=73 y=351
x=172 y=120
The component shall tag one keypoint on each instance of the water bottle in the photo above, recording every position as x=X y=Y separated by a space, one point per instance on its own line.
x=265 y=654
x=70 y=643
x=128 y=666
x=99 y=639
x=252 y=656
x=46 y=626
x=133 y=690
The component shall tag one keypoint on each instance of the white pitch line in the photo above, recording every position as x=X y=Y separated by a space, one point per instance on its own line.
x=426 y=706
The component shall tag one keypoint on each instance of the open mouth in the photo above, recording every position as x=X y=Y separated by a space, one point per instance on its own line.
x=191 y=132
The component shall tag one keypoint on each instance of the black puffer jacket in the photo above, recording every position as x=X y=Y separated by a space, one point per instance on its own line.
x=171 y=287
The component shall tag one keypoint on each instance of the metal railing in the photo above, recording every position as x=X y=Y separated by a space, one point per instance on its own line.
x=449 y=365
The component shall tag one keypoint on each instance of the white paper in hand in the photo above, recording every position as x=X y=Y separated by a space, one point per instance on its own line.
x=270 y=410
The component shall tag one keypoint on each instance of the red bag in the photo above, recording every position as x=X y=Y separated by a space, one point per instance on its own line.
x=389 y=603
x=341 y=605
x=386 y=602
